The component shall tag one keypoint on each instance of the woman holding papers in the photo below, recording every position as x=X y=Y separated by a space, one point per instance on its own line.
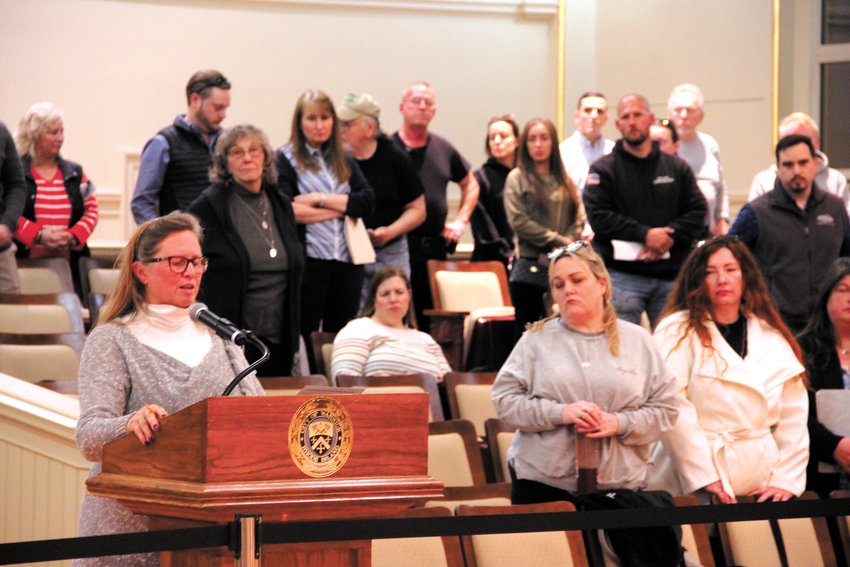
x=545 y=211
x=146 y=359
x=741 y=383
x=325 y=185
x=826 y=350
x=256 y=261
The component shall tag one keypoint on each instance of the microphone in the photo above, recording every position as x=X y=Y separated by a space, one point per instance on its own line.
x=226 y=329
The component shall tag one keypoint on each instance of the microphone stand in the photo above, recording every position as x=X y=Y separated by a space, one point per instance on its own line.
x=252 y=338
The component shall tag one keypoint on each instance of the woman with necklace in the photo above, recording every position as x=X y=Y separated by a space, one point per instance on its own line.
x=740 y=381
x=494 y=239
x=256 y=261
x=545 y=211
x=582 y=373
x=826 y=351
x=383 y=340
x=325 y=185
x=61 y=210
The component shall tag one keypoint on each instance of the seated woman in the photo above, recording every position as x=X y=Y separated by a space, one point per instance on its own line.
x=826 y=352
x=740 y=381
x=256 y=261
x=582 y=373
x=146 y=359
x=382 y=341
x=61 y=210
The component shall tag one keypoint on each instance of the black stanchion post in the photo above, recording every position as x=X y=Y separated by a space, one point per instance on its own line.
x=245 y=540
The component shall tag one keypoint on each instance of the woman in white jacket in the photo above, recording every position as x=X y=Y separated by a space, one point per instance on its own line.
x=741 y=383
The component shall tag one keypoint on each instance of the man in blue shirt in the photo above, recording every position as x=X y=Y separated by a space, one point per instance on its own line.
x=175 y=163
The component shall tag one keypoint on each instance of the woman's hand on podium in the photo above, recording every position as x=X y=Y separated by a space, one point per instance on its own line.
x=144 y=424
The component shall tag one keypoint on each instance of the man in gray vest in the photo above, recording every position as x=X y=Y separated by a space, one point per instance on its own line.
x=795 y=231
x=175 y=163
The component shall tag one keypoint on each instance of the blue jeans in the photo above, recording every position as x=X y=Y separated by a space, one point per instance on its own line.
x=393 y=254
x=633 y=294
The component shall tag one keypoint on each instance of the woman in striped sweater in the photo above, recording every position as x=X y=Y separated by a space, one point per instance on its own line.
x=61 y=210
x=383 y=341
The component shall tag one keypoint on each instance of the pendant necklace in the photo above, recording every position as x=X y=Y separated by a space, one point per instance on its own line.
x=263 y=224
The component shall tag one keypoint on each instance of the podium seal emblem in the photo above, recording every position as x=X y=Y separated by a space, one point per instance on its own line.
x=320 y=437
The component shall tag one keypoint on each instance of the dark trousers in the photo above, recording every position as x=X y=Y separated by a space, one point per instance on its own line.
x=524 y=491
x=278 y=364
x=528 y=304
x=423 y=249
x=330 y=295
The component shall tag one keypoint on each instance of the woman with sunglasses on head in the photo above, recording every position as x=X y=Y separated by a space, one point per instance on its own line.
x=147 y=359
x=582 y=373
x=494 y=239
x=325 y=185
x=740 y=381
x=256 y=261
x=545 y=211
x=826 y=351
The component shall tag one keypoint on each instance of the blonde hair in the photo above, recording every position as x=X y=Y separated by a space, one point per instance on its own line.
x=585 y=254
x=37 y=119
x=130 y=295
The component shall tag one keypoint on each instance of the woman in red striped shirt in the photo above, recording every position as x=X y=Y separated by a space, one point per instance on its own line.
x=61 y=210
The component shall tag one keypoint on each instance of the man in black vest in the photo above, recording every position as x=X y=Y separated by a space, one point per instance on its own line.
x=795 y=231
x=175 y=163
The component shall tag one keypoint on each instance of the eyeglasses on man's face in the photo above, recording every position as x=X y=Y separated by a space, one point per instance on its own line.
x=179 y=264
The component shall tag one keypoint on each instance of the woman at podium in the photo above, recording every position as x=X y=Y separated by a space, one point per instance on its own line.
x=146 y=359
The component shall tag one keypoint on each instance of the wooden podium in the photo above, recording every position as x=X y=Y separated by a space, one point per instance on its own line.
x=304 y=457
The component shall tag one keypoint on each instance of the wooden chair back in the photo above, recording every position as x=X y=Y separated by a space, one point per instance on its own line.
x=467 y=286
x=454 y=455
x=499 y=436
x=290 y=385
x=433 y=551
x=321 y=352
x=37 y=358
x=41 y=313
x=396 y=384
x=45 y=275
x=469 y=397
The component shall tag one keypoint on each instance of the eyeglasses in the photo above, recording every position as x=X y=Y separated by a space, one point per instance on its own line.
x=203 y=84
x=725 y=239
x=570 y=248
x=239 y=153
x=179 y=264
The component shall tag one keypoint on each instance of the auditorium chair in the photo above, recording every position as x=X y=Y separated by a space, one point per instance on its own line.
x=454 y=456
x=45 y=275
x=434 y=551
x=473 y=318
x=469 y=397
x=290 y=385
x=500 y=436
x=41 y=357
x=562 y=548
x=322 y=348
x=41 y=313
x=398 y=384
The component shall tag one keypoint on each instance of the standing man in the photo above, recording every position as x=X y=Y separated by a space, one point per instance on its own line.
x=437 y=163
x=795 y=231
x=399 y=196
x=13 y=194
x=646 y=209
x=830 y=180
x=586 y=145
x=685 y=108
x=175 y=163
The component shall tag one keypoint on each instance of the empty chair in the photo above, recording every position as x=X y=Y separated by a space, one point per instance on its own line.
x=469 y=397
x=500 y=436
x=454 y=455
x=45 y=275
x=398 y=384
x=562 y=548
x=322 y=343
x=36 y=358
x=41 y=313
x=472 y=305
x=431 y=551
x=804 y=541
x=290 y=385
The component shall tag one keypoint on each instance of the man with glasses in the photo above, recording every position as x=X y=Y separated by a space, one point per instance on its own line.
x=587 y=144
x=437 y=163
x=399 y=199
x=175 y=163
x=685 y=108
x=647 y=211
x=795 y=231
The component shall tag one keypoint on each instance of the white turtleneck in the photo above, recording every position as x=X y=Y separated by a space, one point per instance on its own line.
x=170 y=330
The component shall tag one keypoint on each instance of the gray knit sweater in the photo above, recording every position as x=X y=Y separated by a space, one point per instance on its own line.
x=118 y=376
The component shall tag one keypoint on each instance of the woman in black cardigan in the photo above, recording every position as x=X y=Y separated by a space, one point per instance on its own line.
x=826 y=350
x=251 y=241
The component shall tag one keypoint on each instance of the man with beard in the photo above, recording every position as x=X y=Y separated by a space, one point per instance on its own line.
x=795 y=231
x=175 y=163
x=647 y=211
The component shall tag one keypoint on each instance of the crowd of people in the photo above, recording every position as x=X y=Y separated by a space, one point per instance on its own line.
x=625 y=237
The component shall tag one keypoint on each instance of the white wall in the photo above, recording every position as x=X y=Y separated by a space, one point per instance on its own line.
x=118 y=67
